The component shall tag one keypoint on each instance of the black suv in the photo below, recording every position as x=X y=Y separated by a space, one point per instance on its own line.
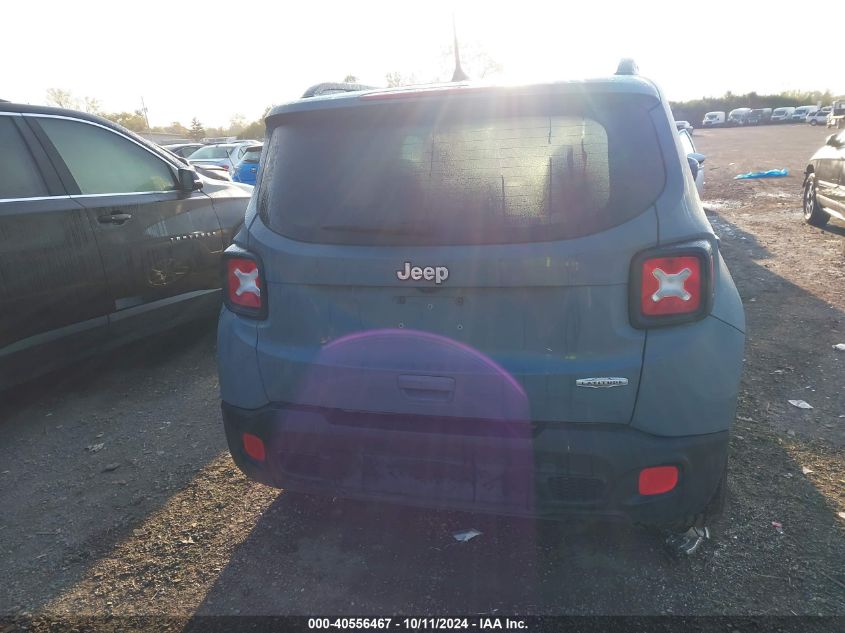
x=98 y=229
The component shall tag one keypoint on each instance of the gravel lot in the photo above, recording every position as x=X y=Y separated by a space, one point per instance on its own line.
x=118 y=497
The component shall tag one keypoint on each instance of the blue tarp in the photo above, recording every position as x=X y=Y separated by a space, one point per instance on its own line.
x=772 y=173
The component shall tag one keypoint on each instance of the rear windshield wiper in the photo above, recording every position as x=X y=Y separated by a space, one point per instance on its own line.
x=387 y=230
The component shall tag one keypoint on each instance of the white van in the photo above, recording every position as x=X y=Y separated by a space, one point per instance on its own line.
x=738 y=116
x=801 y=112
x=782 y=115
x=713 y=119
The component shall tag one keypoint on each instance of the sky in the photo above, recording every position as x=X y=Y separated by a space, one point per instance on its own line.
x=213 y=60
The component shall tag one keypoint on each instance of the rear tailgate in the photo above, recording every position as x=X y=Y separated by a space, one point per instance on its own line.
x=548 y=314
x=534 y=208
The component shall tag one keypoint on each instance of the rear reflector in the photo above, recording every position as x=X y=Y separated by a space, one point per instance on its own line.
x=658 y=479
x=254 y=447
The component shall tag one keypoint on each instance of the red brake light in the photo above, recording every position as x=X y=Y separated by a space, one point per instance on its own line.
x=245 y=290
x=658 y=479
x=671 y=285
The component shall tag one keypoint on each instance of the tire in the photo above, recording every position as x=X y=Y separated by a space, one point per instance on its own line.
x=814 y=215
x=813 y=122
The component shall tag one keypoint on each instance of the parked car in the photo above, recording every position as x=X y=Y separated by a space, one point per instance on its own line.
x=223 y=140
x=246 y=170
x=695 y=160
x=819 y=117
x=782 y=115
x=713 y=119
x=837 y=114
x=106 y=238
x=208 y=170
x=758 y=116
x=824 y=182
x=183 y=149
x=738 y=116
x=225 y=155
x=424 y=310
x=801 y=112
x=215 y=172
x=684 y=125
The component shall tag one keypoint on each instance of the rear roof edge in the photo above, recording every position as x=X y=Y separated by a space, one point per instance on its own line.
x=620 y=84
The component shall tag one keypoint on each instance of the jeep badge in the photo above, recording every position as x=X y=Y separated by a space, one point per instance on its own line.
x=438 y=274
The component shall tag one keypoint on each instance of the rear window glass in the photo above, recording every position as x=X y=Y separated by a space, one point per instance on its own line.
x=187 y=150
x=210 y=152
x=461 y=171
x=252 y=155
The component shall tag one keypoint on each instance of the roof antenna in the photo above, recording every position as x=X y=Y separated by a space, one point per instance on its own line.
x=459 y=74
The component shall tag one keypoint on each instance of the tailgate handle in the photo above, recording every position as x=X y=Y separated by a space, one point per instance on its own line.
x=437 y=388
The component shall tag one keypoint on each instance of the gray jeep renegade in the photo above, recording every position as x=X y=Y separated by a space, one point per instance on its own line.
x=493 y=299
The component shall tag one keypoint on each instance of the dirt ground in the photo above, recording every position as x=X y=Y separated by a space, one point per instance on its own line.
x=117 y=495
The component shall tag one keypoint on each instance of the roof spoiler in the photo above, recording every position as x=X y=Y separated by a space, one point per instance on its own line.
x=328 y=88
x=627 y=66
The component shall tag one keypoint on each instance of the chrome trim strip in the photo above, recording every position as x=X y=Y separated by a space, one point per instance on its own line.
x=129 y=312
x=128 y=193
x=64 y=197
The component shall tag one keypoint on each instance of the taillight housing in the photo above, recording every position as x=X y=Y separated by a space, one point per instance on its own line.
x=244 y=286
x=671 y=285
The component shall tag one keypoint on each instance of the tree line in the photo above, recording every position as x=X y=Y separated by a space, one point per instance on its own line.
x=693 y=110
x=136 y=120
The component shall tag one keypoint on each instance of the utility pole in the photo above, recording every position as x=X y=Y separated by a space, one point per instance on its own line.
x=144 y=110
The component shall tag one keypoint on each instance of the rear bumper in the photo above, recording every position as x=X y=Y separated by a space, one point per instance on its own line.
x=544 y=470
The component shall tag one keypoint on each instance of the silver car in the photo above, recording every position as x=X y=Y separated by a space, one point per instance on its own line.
x=819 y=117
x=225 y=155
